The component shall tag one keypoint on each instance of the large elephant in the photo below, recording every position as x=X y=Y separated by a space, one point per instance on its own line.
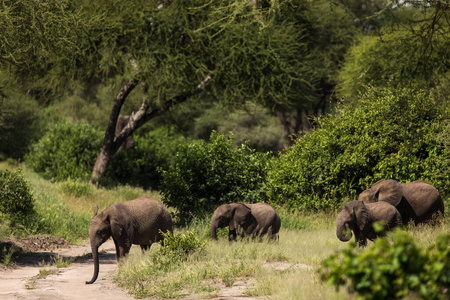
x=416 y=201
x=132 y=222
x=247 y=220
x=359 y=218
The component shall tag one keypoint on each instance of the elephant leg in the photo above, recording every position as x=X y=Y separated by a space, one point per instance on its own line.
x=232 y=235
x=145 y=247
x=117 y=249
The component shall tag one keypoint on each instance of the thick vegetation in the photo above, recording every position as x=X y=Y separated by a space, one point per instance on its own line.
x=205 y=175
x=68 y=150
x=393 y=269
x=401 y=134
x=16 y=198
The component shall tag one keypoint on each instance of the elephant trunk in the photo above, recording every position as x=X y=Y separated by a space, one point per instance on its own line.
x=343 y=231
x=96 y=264
x=214 y=230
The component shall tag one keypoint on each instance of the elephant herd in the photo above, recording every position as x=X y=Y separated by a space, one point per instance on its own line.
x=142 y=220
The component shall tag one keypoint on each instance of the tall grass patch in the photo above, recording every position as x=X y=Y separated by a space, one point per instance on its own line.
x=221 y=263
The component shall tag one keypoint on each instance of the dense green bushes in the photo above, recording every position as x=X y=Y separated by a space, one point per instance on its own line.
x=401 y=134
x=68 y=150
x=392 y=269
x=139 y=166
x=206 y=175
x=16 y=199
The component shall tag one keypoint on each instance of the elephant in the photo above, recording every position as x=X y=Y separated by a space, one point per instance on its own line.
x=416 y=201
x=359 y=218
x=137 y=221
x=249 y=220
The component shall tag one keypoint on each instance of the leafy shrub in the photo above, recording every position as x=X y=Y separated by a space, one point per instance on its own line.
x=16 y=199
x=392 y=269
x=181 y=244
x=139 y=166
x=206 y=175
x=68 y=150
x=391 y=134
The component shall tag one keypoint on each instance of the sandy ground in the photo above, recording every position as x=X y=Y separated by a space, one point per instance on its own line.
x=21 y=281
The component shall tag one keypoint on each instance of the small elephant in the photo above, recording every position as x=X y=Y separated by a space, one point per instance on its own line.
x=249 y=220
x=359 y=217
x=132 y=222
x=416 y=201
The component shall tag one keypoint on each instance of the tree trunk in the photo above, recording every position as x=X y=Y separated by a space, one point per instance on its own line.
x=137 y=120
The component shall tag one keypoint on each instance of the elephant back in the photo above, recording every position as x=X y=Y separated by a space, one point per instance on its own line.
x=387 y=190
x=423 y=199
x=266 y=217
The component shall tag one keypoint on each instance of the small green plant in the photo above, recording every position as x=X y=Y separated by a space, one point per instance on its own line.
x=393 y=268
x=181 y=244
x=76 y=187
x=7 y=254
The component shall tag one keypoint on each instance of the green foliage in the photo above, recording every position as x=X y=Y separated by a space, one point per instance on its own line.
x=16 y=199
x=67 y=150
x=392 y=134
x=20 y=126
x=139 y=166
x=392 y=269
x=76 y=187
x=206 y=175
x=181 y=244
x=370 y=63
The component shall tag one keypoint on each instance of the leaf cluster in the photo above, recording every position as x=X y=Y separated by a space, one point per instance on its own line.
x=392 y=269
x=207 y=174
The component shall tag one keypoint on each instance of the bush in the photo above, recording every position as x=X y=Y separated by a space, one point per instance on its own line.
x=139 y=166
x=400 y=134
x=16 y=199
x=181 y=244
x=206 y=175
x=392 y=269
x=68 y=150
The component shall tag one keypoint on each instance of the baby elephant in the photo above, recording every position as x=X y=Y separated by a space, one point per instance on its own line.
x=132 y=222
x=359 y=217
x=247 y=220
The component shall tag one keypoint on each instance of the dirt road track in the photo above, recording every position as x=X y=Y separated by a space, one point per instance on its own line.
x=69 y=283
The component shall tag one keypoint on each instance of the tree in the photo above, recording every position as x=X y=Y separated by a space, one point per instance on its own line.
x=172 y=50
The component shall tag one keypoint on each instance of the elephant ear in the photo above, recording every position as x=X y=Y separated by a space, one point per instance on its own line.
x=387 y=190
x=241 y=213
x=95 y=210
x=361 y=214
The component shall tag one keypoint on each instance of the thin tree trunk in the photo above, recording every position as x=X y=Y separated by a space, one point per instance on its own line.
x=137 y=120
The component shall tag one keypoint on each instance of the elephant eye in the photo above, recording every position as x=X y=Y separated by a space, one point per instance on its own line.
x=99 y=232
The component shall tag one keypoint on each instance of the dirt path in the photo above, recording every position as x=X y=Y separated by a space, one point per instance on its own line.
x=22 y=282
